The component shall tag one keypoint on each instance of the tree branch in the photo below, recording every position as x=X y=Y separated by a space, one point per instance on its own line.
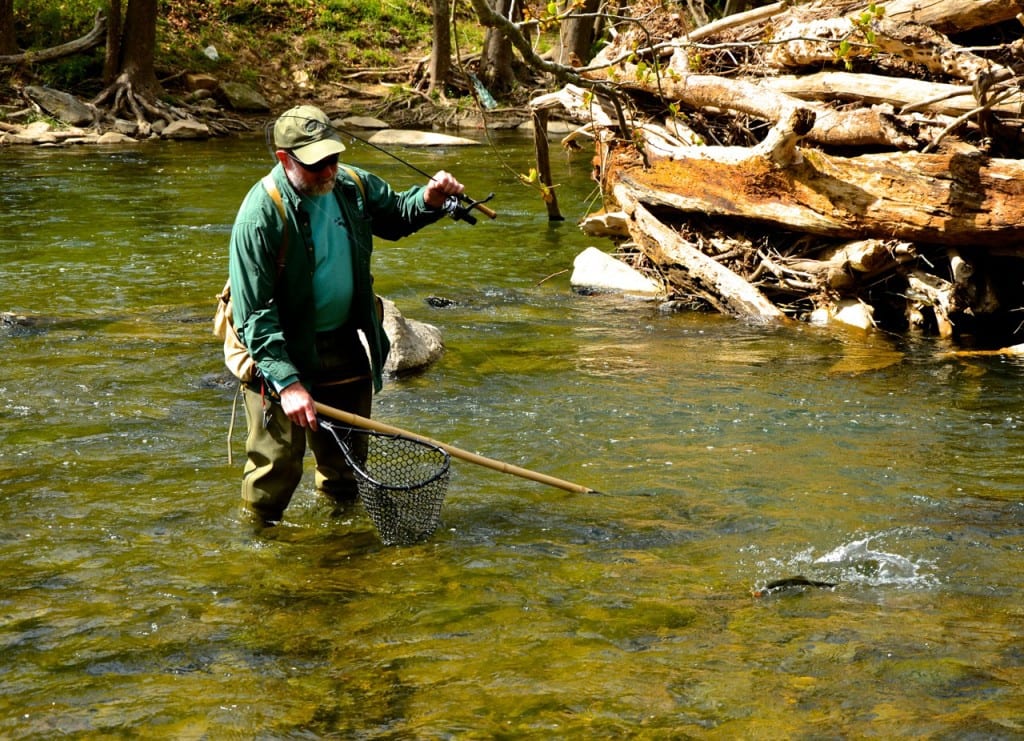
x=92 y=39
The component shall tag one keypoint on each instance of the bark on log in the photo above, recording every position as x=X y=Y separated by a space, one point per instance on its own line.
x=945 y=199
x=903 y=93
x=949 y=16
x=818 y=42
x=875 y=126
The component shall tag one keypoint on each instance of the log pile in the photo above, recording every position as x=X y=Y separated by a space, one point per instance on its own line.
x=794 y=161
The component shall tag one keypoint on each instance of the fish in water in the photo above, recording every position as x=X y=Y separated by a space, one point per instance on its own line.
x=792 y=582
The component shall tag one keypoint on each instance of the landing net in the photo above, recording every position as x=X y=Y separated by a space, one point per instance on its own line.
x=402 y=482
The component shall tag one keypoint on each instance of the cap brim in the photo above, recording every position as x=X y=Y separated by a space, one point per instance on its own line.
x=313 y=153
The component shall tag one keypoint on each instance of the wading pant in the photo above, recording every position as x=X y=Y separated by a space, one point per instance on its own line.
x=275 y=447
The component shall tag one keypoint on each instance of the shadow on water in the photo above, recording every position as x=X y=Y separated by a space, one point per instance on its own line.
x=136 y=601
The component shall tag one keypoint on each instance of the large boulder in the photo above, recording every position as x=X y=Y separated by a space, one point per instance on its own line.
x=597 y=272
x=244 y=98
x=60 y=105
x=411 y=138
x=414 y=345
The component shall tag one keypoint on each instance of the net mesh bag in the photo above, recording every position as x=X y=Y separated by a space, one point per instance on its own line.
x=402 y=481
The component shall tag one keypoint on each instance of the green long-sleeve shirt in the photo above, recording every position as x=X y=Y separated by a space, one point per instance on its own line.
x=275 y=316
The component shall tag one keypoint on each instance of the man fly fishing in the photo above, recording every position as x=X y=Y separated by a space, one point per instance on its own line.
x=304 y=305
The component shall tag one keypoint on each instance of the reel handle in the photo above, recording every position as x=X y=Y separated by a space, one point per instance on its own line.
x=459 y=206
x=490 y=213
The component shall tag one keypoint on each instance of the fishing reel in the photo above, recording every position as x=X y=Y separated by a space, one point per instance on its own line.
x=459 y=207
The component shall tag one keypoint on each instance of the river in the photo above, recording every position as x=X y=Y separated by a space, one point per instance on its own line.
x=135 y=602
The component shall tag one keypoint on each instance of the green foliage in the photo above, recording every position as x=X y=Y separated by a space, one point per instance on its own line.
x=862 y=25
x=40 y=24
x=254 y=38
x=372 y=30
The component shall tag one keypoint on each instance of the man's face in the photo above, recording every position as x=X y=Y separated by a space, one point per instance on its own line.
x=311 y=180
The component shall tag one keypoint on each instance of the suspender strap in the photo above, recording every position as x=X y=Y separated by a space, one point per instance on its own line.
x=358 y=181
x=275 y=195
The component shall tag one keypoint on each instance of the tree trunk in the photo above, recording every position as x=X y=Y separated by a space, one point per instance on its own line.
x=576 y=34
x=875 y=126
x=8 y=43
x=903 y=93
x=138 y=47
x=112 y=59
x=802 y=44
x=496 y=62
x=944 y=199
x=947 y=16
x=441 y=49
x=685 y=265
x=132 y=87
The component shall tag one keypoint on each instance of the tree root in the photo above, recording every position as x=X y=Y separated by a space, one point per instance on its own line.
x=121 y=100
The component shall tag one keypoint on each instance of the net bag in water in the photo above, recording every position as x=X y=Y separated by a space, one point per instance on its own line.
x=402 y=481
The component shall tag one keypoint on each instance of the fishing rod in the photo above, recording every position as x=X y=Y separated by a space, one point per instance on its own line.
x=458 y=206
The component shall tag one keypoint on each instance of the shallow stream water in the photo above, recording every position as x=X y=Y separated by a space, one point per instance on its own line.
x=134 y=602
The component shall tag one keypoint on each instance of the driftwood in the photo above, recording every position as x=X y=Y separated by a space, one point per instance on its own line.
x=821 y=156
x=947 y=16
x=945 y=199
x=802 y=44
x=718 y=285
x=903 y=94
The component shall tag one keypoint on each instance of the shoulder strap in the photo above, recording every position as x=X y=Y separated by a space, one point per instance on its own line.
x=358 y=181
x=275 y=195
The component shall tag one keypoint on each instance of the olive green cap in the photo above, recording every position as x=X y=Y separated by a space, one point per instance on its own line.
x=307 y=133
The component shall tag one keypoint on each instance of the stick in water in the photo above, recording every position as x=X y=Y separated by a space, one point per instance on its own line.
x=368 y=424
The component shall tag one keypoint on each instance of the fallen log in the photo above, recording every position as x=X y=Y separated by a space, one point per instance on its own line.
x=826 y=41
x=949 y=16
x=944 y=199
x=687 y=266
x=860 y=127
x=903 y=93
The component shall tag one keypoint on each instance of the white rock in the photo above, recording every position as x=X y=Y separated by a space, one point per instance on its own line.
x=112 y=137
x=186 y=129
x=409 y=138
x=595 y=270
x=850 y=312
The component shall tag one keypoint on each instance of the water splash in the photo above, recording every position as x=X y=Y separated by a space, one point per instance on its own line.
x=863 y=561
x=860 y=563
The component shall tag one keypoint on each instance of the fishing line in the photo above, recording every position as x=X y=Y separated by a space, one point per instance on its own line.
x=457 y=206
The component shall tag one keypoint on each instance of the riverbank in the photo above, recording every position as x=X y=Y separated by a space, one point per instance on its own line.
x=230 y=70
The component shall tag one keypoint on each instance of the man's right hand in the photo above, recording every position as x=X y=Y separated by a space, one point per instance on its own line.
x=298 y=405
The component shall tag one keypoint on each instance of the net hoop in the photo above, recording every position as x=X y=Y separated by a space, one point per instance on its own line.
x=407 y=508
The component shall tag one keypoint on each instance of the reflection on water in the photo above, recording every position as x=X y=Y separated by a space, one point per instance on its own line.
x=135 y=601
